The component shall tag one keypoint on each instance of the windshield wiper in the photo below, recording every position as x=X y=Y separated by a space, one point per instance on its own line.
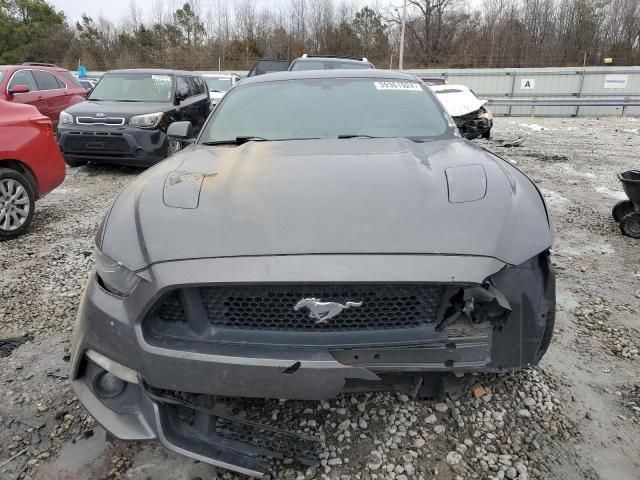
x=238 y=141
x=355 y=135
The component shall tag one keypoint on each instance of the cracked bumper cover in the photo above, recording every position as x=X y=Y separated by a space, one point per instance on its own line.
x=112 y=327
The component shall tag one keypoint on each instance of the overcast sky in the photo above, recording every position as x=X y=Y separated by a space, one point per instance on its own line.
x=117 y=9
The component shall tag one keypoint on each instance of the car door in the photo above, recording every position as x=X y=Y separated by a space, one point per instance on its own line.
x=33 y=96
x=53 y=93
x=203 y=102
x=188 y=108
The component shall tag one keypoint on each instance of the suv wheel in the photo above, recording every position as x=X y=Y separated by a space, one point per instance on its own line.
x=74 y=162
x=17 y=203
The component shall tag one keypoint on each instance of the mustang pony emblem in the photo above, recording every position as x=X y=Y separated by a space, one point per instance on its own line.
x=323 y=311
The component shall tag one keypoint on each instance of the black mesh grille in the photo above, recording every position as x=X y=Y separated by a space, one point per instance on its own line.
x=96 y=142
x=271 y=307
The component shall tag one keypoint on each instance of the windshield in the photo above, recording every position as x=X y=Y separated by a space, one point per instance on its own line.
x=134 y=87
x=327 y=108
x=218 y=84
x=327 y=65
x=268 y=66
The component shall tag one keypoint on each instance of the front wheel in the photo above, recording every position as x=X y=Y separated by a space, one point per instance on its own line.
x=74 y=162
x=173 y=146
x=17 y=203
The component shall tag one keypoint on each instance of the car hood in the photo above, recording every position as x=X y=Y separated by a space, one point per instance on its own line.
x=117 y=109
x=353 y=196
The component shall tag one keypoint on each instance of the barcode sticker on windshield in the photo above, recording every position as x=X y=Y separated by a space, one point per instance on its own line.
x=161 y=78
x=397 y=86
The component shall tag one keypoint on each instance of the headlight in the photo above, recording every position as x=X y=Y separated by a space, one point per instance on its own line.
x=66 y=118
x=150 y=120
x=116 y=278
x=487 y=114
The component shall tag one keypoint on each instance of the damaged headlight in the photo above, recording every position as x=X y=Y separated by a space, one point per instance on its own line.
x=150 y=120
x=485 y=113
x=115 y=277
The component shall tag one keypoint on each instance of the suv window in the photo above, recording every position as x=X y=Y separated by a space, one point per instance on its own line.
x=181 y=84
x=202 y=86
x=133 y=87
x=45 y=80
x=69 y=79
x=23 y=77
x=194 y=88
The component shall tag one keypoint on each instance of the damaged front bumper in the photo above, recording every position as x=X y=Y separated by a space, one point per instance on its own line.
x=491 y=317
x=475 y=124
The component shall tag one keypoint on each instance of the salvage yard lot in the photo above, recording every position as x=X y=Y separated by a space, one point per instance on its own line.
x=575 y=417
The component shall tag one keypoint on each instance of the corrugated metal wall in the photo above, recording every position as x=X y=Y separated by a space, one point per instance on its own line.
x=541 y=83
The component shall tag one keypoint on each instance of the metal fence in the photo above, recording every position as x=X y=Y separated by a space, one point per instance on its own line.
x=590 y=91
x=551 y=91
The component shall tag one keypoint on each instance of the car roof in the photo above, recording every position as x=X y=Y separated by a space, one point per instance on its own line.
x=220 y=75
x=372 y=73
x=32 y=67
x=311 y=58
x=154 y=71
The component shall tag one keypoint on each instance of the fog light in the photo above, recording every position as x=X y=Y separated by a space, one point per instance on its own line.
x=107 y=385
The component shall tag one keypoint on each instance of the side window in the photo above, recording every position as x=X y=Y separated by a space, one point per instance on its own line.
x=60 y=83
x=45 y=80
x=203 y=86
x=193 y=87
x=182 y=85
x=23 y=77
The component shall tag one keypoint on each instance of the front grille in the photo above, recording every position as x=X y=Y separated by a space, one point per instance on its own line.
x=99 y=143
x=271 y=307
x=100 y=120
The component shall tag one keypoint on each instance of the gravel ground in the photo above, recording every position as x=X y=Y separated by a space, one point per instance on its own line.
x=577 y=416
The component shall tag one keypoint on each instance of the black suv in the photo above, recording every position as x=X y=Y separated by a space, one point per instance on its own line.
x=328 y=62
x=126 y=117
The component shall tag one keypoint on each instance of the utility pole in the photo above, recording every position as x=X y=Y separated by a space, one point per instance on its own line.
x=404 y=20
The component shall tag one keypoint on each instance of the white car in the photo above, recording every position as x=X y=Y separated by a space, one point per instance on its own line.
x=219 y=84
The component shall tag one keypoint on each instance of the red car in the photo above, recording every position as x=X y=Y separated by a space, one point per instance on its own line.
x=47 y=87
x=31 y=165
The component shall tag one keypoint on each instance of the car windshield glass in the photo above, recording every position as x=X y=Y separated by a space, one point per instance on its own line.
x=327 y=108
x=134 y=87
x=269 y=66
x=327 y=65
x=216 y=84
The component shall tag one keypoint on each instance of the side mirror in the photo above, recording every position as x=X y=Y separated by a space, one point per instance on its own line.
x=19 y=89
x=182 y=131
x=181 y=94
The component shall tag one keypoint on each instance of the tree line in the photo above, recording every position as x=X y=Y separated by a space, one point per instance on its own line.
x=231 y=35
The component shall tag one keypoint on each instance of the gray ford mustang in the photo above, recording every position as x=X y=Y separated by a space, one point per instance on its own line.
x=327 y=233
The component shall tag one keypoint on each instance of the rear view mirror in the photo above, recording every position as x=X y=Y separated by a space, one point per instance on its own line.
x=19 y=89
x=182 y=131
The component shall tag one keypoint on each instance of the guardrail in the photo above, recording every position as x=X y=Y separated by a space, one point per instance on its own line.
x=568 y=102
x=577 y=102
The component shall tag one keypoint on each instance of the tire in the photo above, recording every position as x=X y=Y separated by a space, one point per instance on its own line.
x=630 y=224
x=486 y=134
x=173 y=146
x=17 y=203
x=621 y=209
x=74 y=162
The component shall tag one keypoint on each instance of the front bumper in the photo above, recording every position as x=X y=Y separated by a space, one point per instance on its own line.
x=122 y=145
x=212 y=365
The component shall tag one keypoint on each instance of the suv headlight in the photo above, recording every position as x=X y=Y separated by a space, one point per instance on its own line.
x=66 y=118
x=116 y=278
x=150 y=120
